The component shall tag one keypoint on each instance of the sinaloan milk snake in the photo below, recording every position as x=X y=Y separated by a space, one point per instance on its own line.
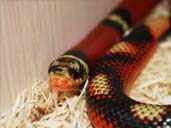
x=112 y=76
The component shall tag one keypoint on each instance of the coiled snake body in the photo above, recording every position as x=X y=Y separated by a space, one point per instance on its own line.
x=108 y=105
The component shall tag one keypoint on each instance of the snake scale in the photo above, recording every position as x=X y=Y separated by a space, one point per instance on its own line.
x=111 y=78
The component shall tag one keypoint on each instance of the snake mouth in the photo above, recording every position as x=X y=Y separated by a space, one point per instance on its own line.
x=60 y=83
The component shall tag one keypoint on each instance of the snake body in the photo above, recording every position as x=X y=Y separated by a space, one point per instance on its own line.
x=72 y=68
x=111 y=79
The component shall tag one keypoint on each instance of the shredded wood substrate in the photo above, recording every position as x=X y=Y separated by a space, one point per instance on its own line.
x=37 y=107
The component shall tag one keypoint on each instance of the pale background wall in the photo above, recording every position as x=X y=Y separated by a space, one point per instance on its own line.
x=34 y=32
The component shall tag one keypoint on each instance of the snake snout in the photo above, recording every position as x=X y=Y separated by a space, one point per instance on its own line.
x=60 y=83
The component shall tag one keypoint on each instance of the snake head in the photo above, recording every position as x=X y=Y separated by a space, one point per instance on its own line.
x=67 y=72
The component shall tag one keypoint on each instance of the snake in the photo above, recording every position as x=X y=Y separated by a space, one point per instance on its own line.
x=115 y=70
x=71 y=69
x=109 y=105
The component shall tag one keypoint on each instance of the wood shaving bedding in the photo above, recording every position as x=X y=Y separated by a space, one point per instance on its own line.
x=39 y=108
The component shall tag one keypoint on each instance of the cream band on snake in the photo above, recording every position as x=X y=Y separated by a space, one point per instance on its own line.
x=119 y=20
